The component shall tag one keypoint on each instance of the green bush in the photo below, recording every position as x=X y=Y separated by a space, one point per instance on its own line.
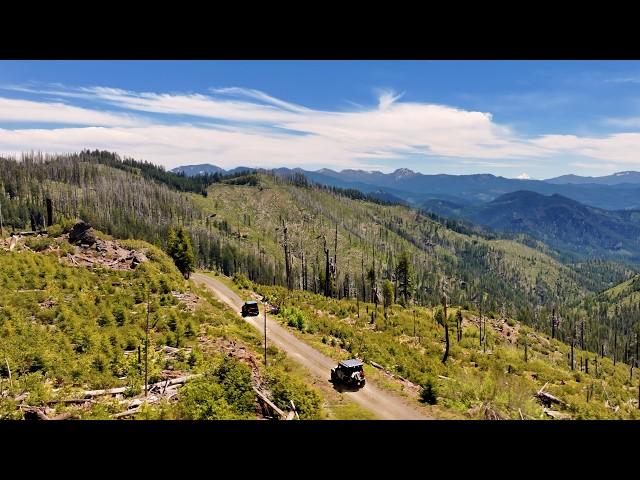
x=224 y=393
x=241 y=281
x=39 y=244
x=286 y=388
x=54 y=230
x=428 y=393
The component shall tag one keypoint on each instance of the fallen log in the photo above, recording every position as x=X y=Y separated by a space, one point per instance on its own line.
x=108 y=391
x=556 y=415
x=115 y=391
x=272 y=405
x=34 y=413
x=21 y=397
x=127 y=413
x=548 y=399
x=65 y=416
x=295 y=410
x=71 y=400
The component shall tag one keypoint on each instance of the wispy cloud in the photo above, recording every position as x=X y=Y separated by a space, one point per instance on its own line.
x=625 y=79
x=26 y=111
x=231 y=126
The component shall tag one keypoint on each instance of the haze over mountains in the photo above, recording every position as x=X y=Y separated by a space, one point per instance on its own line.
x=613 y=179
x=620 y=191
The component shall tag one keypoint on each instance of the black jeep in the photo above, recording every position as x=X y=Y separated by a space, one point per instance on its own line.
x=250 y=309
x=349 y=373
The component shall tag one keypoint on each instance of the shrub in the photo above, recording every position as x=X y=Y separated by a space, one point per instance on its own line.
x=428 y=393
x=224 y=393
x=54 y=230
x=241 y=281
x=67 y=224
x=285 y=389
x=38 y=244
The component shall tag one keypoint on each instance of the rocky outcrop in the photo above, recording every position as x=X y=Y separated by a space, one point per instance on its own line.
x=82 y=234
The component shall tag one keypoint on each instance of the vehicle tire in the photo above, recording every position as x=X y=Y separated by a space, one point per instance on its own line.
x=333 y=376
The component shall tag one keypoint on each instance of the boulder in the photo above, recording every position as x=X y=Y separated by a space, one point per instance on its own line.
x=82 y=234
x=138 y=258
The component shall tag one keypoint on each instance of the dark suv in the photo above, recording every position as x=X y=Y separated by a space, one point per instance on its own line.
x=250 y=309
x=349 y=372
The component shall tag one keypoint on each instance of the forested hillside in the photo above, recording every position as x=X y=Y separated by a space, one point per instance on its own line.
x=284 y=231
x=577 y=231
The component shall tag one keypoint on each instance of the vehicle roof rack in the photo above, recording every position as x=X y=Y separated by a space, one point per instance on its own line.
x=351 y=363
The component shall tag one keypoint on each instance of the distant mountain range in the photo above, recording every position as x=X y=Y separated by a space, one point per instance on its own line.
x=614 y=179
x=619 y=191
x=568 y=226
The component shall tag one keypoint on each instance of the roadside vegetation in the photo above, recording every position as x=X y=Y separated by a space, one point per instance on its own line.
x=479 y=379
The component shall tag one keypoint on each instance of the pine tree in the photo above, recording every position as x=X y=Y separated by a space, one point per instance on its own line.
x=404 y=276
x=180 y=250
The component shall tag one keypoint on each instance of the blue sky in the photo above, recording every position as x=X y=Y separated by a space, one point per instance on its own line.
x=511 y=118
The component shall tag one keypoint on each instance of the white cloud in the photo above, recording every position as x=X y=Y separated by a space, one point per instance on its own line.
x=524 y=176
x=23 y=111
x=239 y=126
x=619 y=148
x=387 y=98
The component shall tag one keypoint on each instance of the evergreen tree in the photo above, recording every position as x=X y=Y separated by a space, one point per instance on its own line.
x=387 y=293
x=404 y=274
x=180 y=250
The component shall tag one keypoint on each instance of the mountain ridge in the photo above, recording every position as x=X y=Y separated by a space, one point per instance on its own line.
x=415 y=188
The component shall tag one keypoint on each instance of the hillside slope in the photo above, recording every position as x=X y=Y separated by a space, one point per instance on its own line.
x=564 y=224
x=73 y=322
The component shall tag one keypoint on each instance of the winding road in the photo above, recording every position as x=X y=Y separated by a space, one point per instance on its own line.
x=381 y=403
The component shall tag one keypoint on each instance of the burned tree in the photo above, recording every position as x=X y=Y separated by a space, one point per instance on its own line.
x=287 y=258
x=446 y=328
x=459 y=324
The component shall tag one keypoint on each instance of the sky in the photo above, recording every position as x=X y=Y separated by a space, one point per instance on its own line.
x=517 y=119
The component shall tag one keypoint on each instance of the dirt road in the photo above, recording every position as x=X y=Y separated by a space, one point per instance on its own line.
x=381 y=403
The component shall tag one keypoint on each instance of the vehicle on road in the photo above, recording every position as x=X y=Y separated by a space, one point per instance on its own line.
x=250 y=309
x=349 y=373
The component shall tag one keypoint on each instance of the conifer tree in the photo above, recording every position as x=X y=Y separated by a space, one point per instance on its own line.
x=180 y=250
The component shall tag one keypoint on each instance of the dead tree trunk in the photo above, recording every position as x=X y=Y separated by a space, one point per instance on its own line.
x=615 y=343
x=287 y=261
x=49 y=212
x=586 y=365
x=335 y=255
x=327 y=273
x=572 y=341
x=446 y=330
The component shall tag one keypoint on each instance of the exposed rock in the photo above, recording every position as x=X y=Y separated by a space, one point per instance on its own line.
x=82 y=234
x=137 y=259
